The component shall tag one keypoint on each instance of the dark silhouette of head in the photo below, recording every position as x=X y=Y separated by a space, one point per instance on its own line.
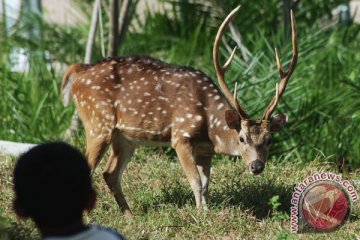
x=52 y=184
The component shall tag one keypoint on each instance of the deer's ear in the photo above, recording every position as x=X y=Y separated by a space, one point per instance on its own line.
x=232 y=119
x=278 y=121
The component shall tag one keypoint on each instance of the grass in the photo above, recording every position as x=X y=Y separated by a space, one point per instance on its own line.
x=322 y=100
x=242 y=206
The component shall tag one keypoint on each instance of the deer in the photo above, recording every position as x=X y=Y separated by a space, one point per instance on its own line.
x=132 y=101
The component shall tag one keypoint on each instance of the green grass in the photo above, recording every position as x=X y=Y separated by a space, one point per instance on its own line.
x=322 y=100
x=242 y=206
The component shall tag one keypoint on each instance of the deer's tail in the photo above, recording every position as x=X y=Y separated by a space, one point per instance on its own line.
x=68 y=80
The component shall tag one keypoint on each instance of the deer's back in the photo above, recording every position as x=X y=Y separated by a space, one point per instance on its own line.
x=147 y=99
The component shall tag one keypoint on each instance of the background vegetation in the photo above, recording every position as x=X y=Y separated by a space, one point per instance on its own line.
x=322 y=98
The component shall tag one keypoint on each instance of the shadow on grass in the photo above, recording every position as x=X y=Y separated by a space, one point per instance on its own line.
x=253 y=196
x=354 y=217
x=173 y=193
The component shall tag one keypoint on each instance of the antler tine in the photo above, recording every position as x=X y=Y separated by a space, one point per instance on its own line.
x=276 y=97
x=235 y=91
x=227 y=64
x=220 y=71
x=284 y=75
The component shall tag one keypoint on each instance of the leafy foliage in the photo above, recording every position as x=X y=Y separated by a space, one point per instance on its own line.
x=322 y=98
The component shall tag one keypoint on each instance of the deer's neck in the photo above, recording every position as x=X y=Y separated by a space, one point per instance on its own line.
x=221 y=136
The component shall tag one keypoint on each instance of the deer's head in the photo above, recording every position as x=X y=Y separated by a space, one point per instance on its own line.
x=252 y=138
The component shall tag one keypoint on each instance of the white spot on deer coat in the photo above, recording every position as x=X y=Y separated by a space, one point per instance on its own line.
x=218 y=139
x=95 y=87
x=163 y=98
x=158 y=87
x=211 y=118
x=180 y=119
x=198 y=118
x=220 y=106
x=186 y=134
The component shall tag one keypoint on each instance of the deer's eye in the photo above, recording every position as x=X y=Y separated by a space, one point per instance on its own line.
x=242 y=140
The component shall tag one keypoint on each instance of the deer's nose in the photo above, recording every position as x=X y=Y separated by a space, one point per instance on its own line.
x=257 y=167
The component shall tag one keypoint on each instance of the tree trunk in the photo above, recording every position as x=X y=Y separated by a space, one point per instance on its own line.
x=92 y=32
x=116 y=35
x=75 y=119
x=114 y=28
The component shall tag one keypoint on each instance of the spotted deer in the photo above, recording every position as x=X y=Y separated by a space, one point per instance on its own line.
x=133 y=101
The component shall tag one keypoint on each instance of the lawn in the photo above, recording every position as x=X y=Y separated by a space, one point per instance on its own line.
x=163 y=204
x=322 y=100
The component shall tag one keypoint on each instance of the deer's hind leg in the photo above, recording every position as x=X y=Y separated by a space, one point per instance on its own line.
x=95 y=148
x=98 y=133
x=121 y=154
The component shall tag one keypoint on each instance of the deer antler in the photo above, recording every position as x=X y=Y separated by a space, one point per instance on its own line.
x=220 y=71
x=284 y=75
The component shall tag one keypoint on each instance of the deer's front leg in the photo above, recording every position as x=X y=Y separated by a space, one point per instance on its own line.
x=184 y=151
x=204 y=166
